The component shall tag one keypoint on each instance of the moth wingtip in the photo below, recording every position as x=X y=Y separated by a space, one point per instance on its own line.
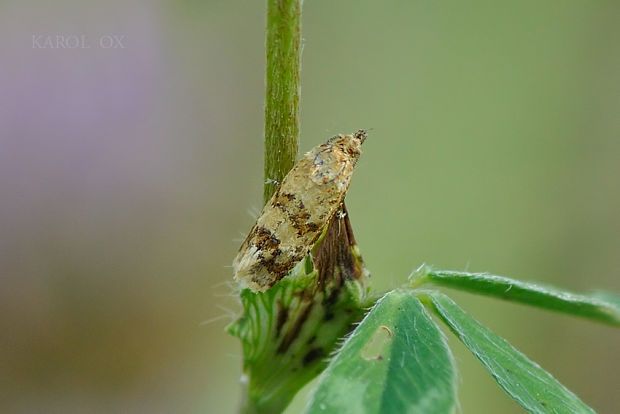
x=249 y=278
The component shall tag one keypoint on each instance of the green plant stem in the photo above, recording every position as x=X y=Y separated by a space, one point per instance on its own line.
x=248 y=406
x=283 y=56
x=282 y=90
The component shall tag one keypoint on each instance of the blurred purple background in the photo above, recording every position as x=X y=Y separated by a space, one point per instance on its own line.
x=129 y=175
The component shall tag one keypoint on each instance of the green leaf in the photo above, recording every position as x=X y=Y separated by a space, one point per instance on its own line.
x=526 y=382
x=611 y=298
x=593 y=307
x=396 y=361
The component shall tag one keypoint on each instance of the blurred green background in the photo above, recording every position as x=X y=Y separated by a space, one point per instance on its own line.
x=128 y=177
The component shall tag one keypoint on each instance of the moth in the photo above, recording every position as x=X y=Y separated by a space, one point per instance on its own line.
x=293 y=219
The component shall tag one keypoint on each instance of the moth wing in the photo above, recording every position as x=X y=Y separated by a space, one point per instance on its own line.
x=327 y=166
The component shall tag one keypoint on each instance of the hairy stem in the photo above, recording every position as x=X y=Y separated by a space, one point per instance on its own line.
x=282 y=90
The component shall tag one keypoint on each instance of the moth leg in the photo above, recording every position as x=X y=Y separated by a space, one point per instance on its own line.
x=272 y=182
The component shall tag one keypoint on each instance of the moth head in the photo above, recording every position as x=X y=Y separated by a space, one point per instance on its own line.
x=361 y=135
x=350 y=144
x=353 y=143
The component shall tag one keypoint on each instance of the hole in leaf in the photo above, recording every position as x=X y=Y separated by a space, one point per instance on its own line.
x=378 y=344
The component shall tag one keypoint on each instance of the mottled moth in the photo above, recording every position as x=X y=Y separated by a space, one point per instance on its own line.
x=296 y=215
